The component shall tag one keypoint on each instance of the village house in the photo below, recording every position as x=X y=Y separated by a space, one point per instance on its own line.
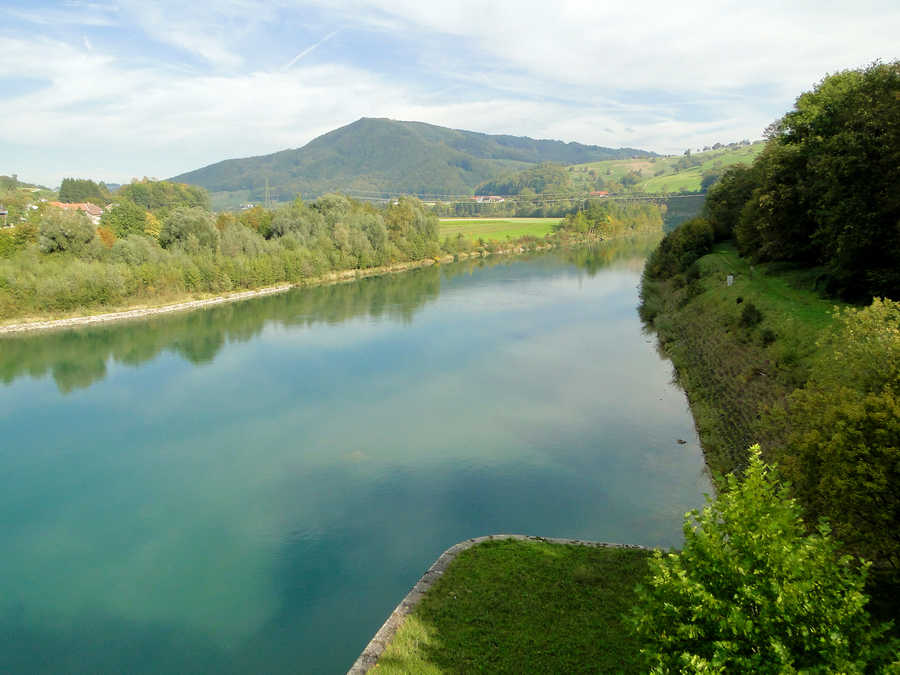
x=91 y=210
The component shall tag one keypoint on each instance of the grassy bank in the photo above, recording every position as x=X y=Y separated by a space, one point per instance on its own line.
x=513 y=606
x=737 y=349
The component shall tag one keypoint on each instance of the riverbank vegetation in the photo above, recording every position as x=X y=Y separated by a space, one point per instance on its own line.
x=751 y=302
x=158 y=242
x=752 y=592
x=76 y=358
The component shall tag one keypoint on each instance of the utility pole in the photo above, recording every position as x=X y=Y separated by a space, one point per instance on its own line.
x=268 y=199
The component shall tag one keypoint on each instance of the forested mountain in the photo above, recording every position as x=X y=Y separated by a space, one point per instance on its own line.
x=388 y=156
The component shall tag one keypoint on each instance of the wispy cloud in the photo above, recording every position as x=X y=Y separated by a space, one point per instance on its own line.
x=179 y=85
x=87 y=16
x=309 y=49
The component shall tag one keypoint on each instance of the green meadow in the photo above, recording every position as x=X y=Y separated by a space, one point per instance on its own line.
x=498 y=229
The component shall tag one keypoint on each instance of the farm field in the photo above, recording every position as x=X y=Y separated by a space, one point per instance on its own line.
x=498 y=229
x=661 y=174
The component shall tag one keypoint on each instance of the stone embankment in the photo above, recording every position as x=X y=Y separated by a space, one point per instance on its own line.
x=370 y=655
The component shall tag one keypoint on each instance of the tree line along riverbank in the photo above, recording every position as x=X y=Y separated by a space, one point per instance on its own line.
x=157 y=245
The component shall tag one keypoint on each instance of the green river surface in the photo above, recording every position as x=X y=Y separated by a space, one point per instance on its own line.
x=253 y=488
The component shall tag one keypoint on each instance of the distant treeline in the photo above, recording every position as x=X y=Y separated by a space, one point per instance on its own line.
x=615 y=219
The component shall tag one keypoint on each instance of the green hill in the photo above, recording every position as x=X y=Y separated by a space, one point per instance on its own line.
x=387 y=157
x=678 y=173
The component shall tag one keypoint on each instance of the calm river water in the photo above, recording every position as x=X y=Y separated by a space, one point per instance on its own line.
x=253 y=488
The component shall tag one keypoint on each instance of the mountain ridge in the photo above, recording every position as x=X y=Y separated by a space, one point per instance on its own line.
x=385 y=156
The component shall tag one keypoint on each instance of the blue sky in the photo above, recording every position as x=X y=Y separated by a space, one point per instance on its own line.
x=116 y=89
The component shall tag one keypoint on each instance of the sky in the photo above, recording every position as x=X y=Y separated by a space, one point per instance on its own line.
x=120 y=89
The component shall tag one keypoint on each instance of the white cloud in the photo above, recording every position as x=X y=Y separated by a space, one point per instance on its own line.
x=655 y=44
x=650 y=75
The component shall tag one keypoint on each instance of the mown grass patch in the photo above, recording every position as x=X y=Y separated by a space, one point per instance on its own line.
x=496 y=229
x=514 y=606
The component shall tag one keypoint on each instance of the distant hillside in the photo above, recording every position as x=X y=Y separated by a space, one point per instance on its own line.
x=13 y=183
x=680 y=173
x=388 y=156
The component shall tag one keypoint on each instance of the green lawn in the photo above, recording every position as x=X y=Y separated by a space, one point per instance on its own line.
x=524 y=607
x=499 y=229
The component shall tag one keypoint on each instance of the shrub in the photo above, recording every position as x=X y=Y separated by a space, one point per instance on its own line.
x=135 y=249
x=125 y=218
x=191 y=228
x=843 y=431
x=750 y=316
x=752 y=592
x=107 y=236
x=727 y=197
x=64 y=231
x=680 y=249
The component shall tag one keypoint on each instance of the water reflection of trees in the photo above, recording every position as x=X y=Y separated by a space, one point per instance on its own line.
x=77 y=358
x=632 y=250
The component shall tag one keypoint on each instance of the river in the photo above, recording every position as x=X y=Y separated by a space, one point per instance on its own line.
x=253 y=487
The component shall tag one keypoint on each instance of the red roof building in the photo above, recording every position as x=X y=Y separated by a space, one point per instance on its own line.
x=92 y=210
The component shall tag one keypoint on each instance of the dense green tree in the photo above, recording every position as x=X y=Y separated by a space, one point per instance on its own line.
x=843 y=432
x=257 y=218
x=752 y=592
x=612 y=219
x=543 y=178
x=78 y=190
x=709 y=178
x=299 y=220
x=679 y=249
x=163 y=195
x=124 y=218
x=726 y=198
x=776 y=223
x=61 y=230
x=843 y=457
x=827 y=186
x=848 y=130
x=189 y=228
